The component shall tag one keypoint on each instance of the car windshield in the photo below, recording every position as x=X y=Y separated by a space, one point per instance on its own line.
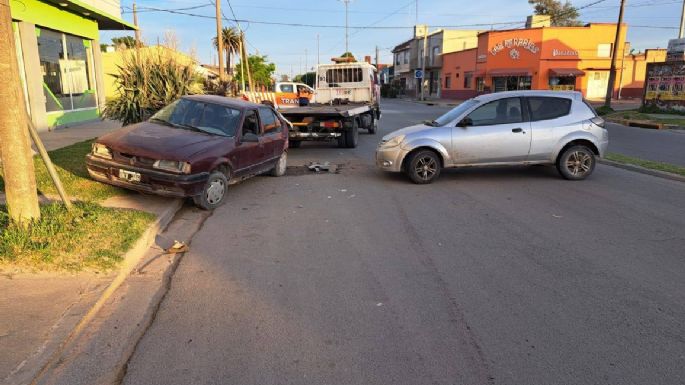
x=194 y=115
x=453 y=113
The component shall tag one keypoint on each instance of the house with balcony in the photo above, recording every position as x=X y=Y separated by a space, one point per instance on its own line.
x=59 y=57
x=402 y=77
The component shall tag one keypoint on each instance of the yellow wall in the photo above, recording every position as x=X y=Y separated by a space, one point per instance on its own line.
x=111 y=61
x=458 y=40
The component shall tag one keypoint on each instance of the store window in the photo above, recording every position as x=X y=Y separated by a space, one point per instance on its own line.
x=562 y=83
x=480 y=84
x=66 y=63
x=604 y=50
x=448 y=81
x=511 y=83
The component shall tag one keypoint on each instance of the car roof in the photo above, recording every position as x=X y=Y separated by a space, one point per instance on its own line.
x=239 y=104
x=512 y=94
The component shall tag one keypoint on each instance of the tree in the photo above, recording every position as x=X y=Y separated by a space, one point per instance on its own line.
x=126 y=41
x=230 y=38
x=562 y=14
x=261 y=70
x=308 y=78
x=350 y=55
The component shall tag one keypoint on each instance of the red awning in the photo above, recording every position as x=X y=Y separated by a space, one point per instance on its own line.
x=566 y=72
x=510 y=72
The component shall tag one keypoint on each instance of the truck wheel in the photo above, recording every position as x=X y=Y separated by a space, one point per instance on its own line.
x=342 y=142
x=352 y=135
x=213 y=193
x=374 y=127
x=294 y=143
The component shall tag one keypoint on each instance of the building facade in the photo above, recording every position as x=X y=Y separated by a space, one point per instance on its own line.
x=59 y=57
x=402 y=77
x=546 y=58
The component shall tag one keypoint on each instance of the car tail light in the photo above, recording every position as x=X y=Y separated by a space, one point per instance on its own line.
x=598 y=121
x=330 y=124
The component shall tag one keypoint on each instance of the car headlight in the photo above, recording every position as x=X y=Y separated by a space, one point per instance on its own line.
x=393 y=142
x=172 y=165
x=102 y=151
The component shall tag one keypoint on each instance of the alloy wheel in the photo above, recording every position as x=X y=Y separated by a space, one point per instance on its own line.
x=426 y=167
x=579 y=163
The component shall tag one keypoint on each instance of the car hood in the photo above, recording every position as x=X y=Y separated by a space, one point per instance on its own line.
x=407 y=131
x=158 y=141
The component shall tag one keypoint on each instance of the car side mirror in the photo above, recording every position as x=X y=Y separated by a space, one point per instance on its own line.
x=250 y=137
x=465 y=122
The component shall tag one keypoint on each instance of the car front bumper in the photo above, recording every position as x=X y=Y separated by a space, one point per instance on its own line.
x=151 y=181
x=390 y=158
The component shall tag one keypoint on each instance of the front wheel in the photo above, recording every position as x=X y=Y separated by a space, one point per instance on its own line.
x=576 y=163
x=281 y=165
x=213 y=193
x=423 y=167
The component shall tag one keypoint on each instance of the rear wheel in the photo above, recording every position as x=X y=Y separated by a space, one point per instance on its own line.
x=213 y=193
x=281 y=165
x=423 y=167
x=352 y=135
x=374 y=127
x=576 y=163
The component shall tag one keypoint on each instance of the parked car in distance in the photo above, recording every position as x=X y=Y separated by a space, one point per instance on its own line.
x=194 y=147
x=505 y=128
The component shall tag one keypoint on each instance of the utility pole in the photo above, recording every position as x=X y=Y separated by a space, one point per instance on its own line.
x=681 y=33
x=612 y=71
x=423 y=62
x=15 y=149
x=347 y=32
x=219 y=40
x=318 y=52
x=377 y=58
x=135 y=22
x=416 y=22
x=306 y=62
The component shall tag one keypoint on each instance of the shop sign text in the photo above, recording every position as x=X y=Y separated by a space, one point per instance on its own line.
x=567 y=52
x=513 y=43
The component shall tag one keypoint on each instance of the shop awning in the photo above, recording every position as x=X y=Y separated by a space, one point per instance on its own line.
x=566 y=72
x=510 y=72
x=105 y=21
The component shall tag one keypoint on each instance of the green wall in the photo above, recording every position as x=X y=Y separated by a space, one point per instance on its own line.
x=48 y=16
x=56 y=119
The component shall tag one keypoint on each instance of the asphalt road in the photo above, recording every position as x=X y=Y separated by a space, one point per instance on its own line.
x=497 y=276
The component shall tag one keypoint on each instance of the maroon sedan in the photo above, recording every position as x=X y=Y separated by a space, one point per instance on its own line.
x=194 y=147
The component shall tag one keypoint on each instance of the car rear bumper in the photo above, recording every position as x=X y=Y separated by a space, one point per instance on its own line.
x=151 y=181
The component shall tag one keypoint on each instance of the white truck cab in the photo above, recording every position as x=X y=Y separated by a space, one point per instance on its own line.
x=349 y=82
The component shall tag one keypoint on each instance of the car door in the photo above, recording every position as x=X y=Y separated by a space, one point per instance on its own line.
x=496 y=132
x=250 y=154
x=274 y=141
x=550 y=120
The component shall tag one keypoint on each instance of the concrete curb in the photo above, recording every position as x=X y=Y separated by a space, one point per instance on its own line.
x=131 y=260
x=642 y=170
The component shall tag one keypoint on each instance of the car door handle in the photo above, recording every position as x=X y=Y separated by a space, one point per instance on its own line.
x=517 y=130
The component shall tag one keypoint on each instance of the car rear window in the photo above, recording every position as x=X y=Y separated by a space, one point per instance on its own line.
x=546 y=108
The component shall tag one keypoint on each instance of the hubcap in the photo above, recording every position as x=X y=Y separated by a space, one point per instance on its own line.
x=215 y=192
x=579 y=163
x=426 y=167
x=282 y=163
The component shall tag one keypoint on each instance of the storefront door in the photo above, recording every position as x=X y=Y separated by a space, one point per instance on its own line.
x=597 y=84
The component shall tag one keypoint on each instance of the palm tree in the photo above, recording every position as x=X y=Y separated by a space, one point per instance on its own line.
x=231 y=41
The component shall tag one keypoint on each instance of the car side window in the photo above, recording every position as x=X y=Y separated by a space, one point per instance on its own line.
x=502 y=111
x=546 y=108
x=287 y=88
x=269 y=120
x=251 y=123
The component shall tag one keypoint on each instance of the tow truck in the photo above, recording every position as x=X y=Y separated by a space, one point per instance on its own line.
x=346 y=99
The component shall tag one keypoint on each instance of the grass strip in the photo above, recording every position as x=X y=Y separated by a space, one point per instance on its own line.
x=649 y=164
x=71 y=167
x=90 y=237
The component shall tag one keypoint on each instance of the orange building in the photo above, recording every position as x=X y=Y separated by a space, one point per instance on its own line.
x=543 y=58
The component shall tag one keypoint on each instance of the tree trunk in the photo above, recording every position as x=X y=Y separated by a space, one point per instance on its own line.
x=15 y=149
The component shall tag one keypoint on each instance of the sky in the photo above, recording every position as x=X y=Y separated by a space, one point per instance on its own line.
x=650 y=24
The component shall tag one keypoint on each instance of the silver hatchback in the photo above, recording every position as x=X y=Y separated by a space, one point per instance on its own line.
x=505 y=128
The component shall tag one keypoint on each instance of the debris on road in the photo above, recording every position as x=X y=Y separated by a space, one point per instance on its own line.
x=325 y=166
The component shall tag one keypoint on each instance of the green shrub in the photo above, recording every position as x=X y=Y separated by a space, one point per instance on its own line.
x=146 y=82
x=604 y=110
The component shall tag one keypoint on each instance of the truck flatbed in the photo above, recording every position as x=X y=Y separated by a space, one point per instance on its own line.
x=342 y=110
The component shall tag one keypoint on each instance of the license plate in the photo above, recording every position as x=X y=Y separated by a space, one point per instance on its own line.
x=129 y=176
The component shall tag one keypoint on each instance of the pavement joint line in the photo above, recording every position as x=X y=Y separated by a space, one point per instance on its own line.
x=643 y=170
x=131 y=259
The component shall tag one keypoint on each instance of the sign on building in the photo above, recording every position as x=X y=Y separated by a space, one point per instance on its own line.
x=676 y=50
x=665 y=86
x=418 y=74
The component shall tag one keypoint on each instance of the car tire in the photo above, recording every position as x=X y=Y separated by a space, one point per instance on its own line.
x=352 y=135
x=281 y=165
x=576 y=163
x=294 y=143
x=423 y=167
x=214 y=192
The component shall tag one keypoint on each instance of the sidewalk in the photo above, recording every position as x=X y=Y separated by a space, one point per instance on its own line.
x=38 y=311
